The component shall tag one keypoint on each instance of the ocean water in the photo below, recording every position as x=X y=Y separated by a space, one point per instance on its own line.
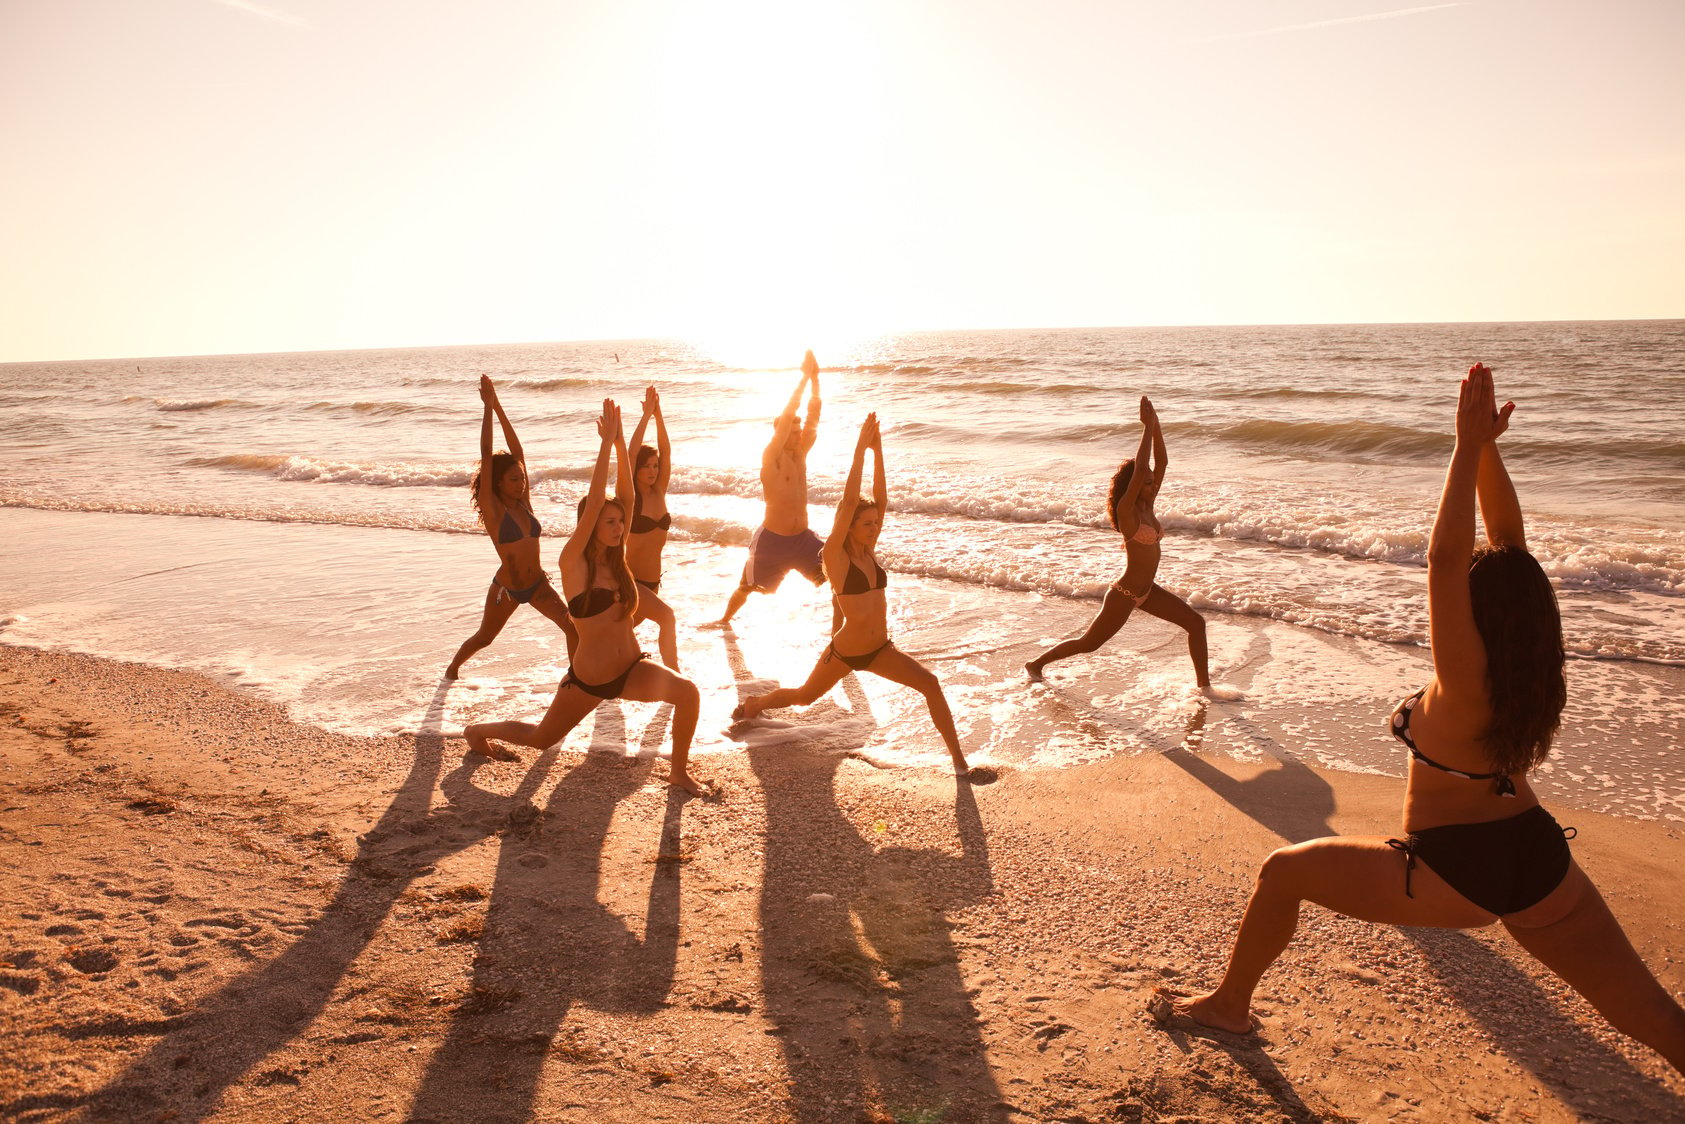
x=299 y=523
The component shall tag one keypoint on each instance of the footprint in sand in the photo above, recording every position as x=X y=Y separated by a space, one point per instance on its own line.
x=92 y=961
x=16 y=973
x=21 y=982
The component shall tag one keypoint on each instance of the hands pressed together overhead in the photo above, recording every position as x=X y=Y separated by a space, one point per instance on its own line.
x=1479 y=419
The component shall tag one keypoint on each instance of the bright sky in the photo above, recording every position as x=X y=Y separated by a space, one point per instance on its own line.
x=206 y=176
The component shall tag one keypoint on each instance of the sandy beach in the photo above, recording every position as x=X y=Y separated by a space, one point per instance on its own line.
x=213 y=912
x=1186 y=332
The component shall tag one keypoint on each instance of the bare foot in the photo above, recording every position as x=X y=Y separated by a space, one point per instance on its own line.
x=979 y=774
x=1171 y=1010
x=485 y=747
x=680 y=778
x=451 y=671
x=1033 y=671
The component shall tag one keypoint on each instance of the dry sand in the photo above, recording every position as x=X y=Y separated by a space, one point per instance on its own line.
x=210 y=911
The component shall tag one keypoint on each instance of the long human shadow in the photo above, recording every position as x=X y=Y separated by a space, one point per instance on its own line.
x=859 y=968
x=1527 y=1023
x=230 y=1031
x=549 y=943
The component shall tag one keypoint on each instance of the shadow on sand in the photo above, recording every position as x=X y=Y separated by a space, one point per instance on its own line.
x=183 y=1076
x=858 y=962
x=1529 y=1025
x=549 y=942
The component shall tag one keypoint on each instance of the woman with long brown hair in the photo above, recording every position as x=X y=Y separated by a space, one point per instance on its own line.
x=603 y=601
x=502 y=494
x=1129 y=505
x=1477 y=846
x=652 y=468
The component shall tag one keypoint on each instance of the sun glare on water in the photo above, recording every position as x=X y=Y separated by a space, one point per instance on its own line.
x=781 y=347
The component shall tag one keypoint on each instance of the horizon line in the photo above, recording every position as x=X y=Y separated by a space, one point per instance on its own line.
x=888 y=332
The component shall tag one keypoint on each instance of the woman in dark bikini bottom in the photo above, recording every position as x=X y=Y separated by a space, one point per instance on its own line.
x=647 y=485
x=503 y=497
x=1477 y=846
x=1503 y=866
x=604 y=604
x=861 y=642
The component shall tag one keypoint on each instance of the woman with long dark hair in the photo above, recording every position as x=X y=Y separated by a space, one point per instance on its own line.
x=502 y=494
x=603 y=601
x=647 y=535
x=861 y=641
x=1129 y=504
x=1477 y=846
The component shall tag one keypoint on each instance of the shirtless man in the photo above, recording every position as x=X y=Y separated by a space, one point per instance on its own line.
x=784 y=541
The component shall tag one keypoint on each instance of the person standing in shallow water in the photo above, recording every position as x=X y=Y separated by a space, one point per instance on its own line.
x=1478 y=847
x=502 y=494
x=784 y=541
x=1130 y=507
x=603 y=601
x=647 y=535
x=861 y=641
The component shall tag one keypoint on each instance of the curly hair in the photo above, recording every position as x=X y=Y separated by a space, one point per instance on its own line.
x=1515 y=611
x=501 y=463
x=615 y=558
x=1120 y=485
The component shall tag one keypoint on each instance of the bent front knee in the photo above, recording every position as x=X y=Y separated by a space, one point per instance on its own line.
x=1280 y=870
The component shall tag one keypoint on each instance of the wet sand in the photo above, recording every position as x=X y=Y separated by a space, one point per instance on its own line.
x=211 y=911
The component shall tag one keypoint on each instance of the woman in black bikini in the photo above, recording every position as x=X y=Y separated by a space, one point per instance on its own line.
x=1130 y=506
x=650 y=524
x=861 y=641
x=1478 y=846
x=503 y=497
x=603 y=600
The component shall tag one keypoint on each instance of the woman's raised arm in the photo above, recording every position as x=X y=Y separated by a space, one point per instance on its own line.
x=608 y=428
x=663 y=447
x=1499 y=508
x=509 y=438
x=1459 y=654
x=880 y=487
x=625 y=490
x=1137 y=480
x=1161 y=458
x=850 y=501
x=487 y=486
x=637 y=441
